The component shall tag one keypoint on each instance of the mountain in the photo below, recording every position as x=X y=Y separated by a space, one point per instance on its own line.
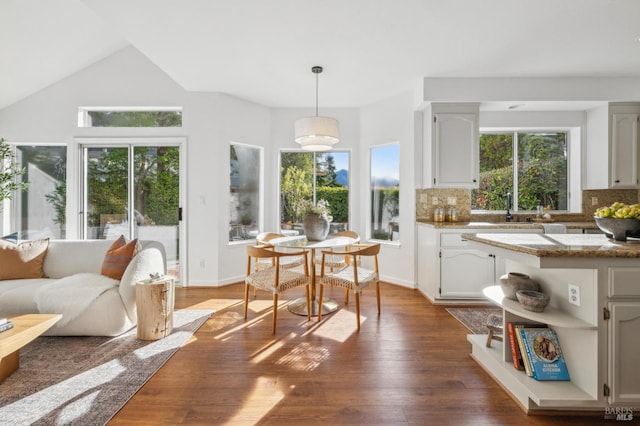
x=386 y=182
x=342 y=177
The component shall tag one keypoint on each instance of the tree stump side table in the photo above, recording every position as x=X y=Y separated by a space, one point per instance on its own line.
x=154 y=304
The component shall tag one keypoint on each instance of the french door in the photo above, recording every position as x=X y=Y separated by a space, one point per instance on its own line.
x=133 y=188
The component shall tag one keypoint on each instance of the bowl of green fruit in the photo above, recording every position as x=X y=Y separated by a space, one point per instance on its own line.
x=619 y=221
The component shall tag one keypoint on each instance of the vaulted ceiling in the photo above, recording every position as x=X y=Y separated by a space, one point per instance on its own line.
x=263 y=51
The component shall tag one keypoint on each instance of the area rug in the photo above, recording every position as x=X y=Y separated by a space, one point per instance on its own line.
x=86 y=380
x=475 y=319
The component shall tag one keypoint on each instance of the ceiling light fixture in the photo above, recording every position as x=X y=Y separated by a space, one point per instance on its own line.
x=317 y=133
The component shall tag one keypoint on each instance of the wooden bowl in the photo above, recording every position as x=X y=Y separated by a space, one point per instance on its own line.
x=531 y=300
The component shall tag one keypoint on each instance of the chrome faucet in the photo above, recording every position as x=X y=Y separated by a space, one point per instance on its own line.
x=508 y=217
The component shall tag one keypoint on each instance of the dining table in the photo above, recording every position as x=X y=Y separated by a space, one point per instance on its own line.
x=299 y=306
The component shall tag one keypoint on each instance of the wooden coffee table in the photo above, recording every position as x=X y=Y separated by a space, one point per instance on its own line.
x=25 y=329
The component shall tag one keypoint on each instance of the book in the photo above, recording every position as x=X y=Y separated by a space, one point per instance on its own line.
x=521 y=352
x=518 y=364
x=6 y=326
x=544 y=353
x=4 y=320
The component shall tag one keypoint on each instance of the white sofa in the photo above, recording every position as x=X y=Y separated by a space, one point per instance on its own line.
x=90 y=304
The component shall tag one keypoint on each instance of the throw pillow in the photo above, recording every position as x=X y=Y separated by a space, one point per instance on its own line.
x=22 y=260
x=118 y=257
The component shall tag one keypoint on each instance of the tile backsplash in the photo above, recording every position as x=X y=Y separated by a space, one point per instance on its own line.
x=444 y=197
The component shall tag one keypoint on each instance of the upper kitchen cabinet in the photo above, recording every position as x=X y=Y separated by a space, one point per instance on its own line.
x=450 y=145
x=612 y=148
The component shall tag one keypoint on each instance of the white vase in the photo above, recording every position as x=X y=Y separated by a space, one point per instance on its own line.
x=316 y=226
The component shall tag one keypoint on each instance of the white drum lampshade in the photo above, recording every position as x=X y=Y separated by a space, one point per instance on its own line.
x=317 y=133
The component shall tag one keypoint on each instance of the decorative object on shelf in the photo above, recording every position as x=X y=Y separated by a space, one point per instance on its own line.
x=496 y=329
x=514 y=281
x=317 y=133
x=533 y=301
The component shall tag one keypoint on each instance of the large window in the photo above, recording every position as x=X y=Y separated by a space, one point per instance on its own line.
x=40 y=211
x=531 y=166
x=244 y=190
x=314 y=176
x=385 y=192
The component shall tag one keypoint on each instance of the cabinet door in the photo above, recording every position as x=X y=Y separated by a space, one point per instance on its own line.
x=464 y=272
x=624 y=151
x=456 y=150
x=624 y=353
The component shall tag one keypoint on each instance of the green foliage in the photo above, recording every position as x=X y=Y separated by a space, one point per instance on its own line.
x=58 y=199
x=10 y=170
x=156 y=177
x=338 y=199
x=542 y=171
x=294 y=188
x=326 y=172
x=135 y=118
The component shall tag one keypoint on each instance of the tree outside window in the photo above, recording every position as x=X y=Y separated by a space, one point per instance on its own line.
x=532 y=166
x=314 y=177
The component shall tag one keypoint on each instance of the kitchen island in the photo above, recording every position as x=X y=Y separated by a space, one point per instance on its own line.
x=594 y=285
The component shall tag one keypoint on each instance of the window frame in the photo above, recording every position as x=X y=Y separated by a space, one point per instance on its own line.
x=85 y=121
x=260 y=218
x=572 y=136
x=348 y=152
x=370 y=195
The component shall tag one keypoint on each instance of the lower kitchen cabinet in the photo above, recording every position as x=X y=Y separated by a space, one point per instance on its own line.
x=448 y=270
x=465 y=272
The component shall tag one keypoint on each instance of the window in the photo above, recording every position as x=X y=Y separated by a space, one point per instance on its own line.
x=314 y=176
x=130 y=117
x=385 y=192
x=244 y=191
x=532 y=166
x=40 y=211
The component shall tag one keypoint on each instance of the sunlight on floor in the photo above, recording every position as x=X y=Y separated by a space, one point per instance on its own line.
x=270 y=348
x=58 y=395
x=304 y=357
x=338 y=326
x=217 y=304
x=263 y=398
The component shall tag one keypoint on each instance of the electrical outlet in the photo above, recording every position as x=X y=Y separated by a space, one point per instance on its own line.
x=574 y=294
x=451 y=201
x=594 y=201
x=202 y=263
x=434 y=201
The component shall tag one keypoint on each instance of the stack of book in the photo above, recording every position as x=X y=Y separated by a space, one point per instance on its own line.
x=5 y=324
x=535 y=348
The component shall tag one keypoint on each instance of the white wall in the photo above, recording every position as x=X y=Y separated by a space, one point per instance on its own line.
x=383 y=122
x=210 y=122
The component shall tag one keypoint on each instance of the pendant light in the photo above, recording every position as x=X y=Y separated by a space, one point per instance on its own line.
x=317 y=133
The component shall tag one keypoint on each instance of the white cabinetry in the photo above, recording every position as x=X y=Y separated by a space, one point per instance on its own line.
x=463 y=271
x=624 y=150
x=623 y=344
x=612 y=149
x=450 y=146
x=449 y=270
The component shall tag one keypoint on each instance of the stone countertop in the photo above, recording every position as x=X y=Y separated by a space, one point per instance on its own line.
x=560 y=245
x=505 y=225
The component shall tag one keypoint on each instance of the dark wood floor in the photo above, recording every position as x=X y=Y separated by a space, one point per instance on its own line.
x=410 y=366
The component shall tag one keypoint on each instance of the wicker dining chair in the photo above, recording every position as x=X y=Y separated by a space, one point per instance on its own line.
x=263 y=239
x=274 y=278
x=353 y=277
